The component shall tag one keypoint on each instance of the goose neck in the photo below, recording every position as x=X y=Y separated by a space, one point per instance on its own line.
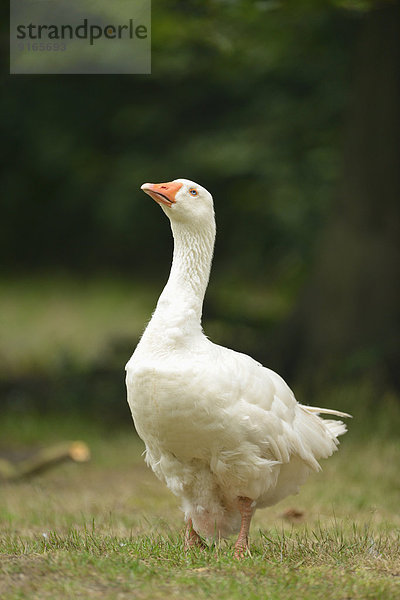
x=190 y=271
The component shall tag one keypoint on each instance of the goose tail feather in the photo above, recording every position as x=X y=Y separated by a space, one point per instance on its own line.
x=326 y=411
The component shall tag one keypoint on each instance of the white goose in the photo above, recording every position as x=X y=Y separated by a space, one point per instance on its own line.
x=223 y=432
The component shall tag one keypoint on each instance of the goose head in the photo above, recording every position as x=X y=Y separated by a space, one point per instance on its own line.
x=182 y=201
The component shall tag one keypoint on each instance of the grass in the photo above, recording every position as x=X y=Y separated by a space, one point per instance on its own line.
x=48 y=320
x=110 y=529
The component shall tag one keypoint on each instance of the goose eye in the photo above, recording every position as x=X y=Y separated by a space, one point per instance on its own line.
x=193 y=192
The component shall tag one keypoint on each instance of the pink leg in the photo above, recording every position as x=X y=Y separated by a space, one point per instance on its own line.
x=192 y=538
x=246 y=511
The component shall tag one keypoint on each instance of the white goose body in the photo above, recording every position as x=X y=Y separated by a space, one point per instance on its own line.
x=217 y=425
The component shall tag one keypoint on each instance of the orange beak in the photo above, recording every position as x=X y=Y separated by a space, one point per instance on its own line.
x=163 y=193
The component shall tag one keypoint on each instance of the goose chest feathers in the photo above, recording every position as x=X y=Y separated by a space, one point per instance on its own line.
x=223 y=432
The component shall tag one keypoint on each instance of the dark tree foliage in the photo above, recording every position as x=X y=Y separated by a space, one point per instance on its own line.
x=244 y=97
x=347 y=320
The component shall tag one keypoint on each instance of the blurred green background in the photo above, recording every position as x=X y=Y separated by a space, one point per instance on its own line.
x=289 y=113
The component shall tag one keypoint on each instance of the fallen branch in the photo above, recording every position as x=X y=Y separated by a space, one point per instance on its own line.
x=44 y=459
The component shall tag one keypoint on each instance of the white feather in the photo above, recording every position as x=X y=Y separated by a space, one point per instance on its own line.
x=217 y=424
x=326 y=411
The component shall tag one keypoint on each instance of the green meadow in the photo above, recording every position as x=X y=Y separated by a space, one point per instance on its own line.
x=109 y=529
